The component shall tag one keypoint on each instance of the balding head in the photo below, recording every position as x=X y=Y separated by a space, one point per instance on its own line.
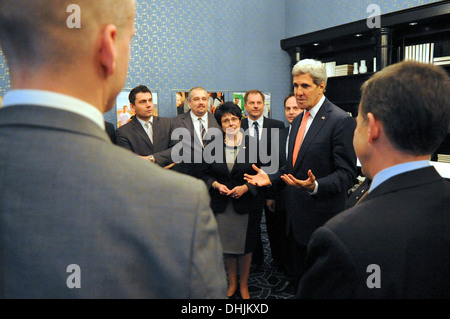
x=35 y=33
x=45 y=52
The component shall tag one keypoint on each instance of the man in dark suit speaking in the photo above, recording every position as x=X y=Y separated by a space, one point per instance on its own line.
x=321 y=164
x=146 y=135
x=395 y=243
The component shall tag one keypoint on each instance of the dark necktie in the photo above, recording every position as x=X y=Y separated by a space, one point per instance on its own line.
x=255 y=124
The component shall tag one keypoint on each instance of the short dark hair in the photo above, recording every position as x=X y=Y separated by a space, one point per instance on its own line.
x=411 y=100
x=135 y=91
x=227 y=108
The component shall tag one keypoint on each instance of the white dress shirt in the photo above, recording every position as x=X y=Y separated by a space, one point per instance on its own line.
x=149 y=131
x=251 y=127
x=196 y=123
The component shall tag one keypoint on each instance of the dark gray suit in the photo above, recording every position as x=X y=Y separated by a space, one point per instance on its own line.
x=132 y=136
x=191 y=143
x=69 y=196
x=327 y=150
x=402 y=226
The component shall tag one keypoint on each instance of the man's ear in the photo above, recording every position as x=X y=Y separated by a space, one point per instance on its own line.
x=107 y=52
x=374 y=127
x=322 y=86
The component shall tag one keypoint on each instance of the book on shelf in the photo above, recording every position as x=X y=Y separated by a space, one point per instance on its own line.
x=344 y=69
x=442 y=63
x=443 y=60
x=331 y=68
x=443 y=158
x=420 y=52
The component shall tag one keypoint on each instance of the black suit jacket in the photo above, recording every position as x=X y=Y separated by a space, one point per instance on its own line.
x=358 y=193
x=280 y=196
x=111 y=131
x=253 y=200
x=269 y=138
x=187 y=150
x=132 y=136
x=402 y=226
x=327 y=150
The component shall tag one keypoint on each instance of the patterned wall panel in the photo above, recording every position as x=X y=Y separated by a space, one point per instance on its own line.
x=4 y=75
x=220 y=45
x=226 y=45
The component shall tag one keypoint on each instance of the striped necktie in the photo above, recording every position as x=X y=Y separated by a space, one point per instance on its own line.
x=202 y=131
x=255 y=124
x=149 y=130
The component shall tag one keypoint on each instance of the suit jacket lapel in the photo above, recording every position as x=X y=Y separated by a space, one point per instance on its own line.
x=244 y=124
x=212 y=124
x=187 y=123
x=156 y=132
x=317 y=124
x=242 y=151
x=292 y=135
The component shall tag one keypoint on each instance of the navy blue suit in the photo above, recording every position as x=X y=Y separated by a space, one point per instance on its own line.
x=402 y=226
x=327 y=150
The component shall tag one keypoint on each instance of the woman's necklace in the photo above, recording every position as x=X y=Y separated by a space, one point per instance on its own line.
x=234 y=143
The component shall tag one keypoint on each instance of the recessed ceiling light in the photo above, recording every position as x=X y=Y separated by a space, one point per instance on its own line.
x=315 y=44
x=358 y=35
x=413 y=23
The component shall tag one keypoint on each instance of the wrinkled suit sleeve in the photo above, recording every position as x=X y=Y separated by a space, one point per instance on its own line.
x=207 y=273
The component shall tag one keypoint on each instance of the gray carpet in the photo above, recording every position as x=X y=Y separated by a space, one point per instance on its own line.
x=264 y=279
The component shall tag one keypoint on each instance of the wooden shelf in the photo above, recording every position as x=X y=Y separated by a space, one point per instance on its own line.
x=422 y=24
x=352 y=76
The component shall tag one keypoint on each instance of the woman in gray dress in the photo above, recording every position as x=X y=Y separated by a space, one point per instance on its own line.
x=236 y=204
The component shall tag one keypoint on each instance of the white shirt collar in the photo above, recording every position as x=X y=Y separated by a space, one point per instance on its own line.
x=54 y=100
x=313 y=111
x=204 y=117
x=143 y=122
x=260 y=121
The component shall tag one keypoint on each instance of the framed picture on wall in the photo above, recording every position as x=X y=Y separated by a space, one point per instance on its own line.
x=238 y=99
x=267 y=102
x=123 y=109
x=179 y=100
x=216 y=99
